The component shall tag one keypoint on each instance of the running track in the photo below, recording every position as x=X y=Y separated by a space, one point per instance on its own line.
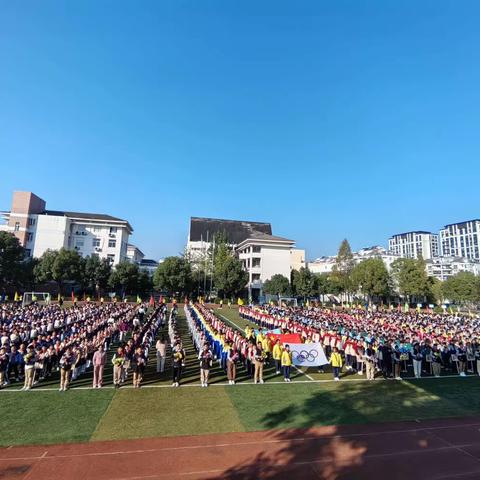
x=440 y=449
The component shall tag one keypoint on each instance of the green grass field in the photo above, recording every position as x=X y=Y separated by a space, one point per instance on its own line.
x=45 y=415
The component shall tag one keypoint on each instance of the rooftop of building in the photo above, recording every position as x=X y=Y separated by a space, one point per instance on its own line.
x=235 y=230
x=148 y=262
x=256 y=236
x=416 y=232
x=461 y=223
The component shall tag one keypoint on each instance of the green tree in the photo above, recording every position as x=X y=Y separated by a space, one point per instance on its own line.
x=277 y=285
x=462 y=288
x=436 y=290
x=371 y=278
x=60 y=266
x=97 y=273
x=304 y=283
x=145 y=283
x=344 y=265
x=125 y=277
x=410 y=278
x=12 y=255
x=173 y=275
x=43 y=271
x=326 y=284
x=228 y=275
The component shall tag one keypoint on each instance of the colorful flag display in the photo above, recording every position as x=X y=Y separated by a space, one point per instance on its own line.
x=308 y=354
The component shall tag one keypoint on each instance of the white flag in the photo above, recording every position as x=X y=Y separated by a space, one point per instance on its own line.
x=308 y=354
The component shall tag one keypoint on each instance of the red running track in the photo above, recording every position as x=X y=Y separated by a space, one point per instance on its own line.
x=436 y=449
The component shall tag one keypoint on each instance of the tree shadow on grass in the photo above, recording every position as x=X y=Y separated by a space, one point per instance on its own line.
x=326 y=434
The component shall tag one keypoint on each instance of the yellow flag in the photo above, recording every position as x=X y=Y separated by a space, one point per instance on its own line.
x=139 y=300
x=17 y=297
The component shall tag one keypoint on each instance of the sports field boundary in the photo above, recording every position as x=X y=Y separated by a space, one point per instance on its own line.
x=240 y=384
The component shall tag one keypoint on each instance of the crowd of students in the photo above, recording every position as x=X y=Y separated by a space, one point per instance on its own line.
x=393 y=343
x=214 y=340
x=38 y=340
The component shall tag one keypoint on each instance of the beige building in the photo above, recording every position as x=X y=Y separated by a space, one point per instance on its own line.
x=39 y=229
x=297 y=259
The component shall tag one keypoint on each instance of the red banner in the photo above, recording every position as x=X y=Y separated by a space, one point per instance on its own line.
x=286 y=338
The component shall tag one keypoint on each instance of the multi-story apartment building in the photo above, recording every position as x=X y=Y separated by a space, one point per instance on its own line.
x=445 y=267
x=461 y=239
x=263 y=256
x=134 y=254
x=39 y=229
x=415 y=244
x=326 y=264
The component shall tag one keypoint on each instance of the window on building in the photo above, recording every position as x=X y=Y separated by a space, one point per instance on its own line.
x=256 y=249
x=31 y=221
x=112 y=243
x=28 y=252
x=17 y=226
x=96 y=242
x=255 y=262
x=111 y=258
x=113 y=229
x=29 y=237
x=79 y=243
x=256 y=277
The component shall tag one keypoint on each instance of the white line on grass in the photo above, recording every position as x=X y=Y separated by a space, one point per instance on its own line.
x=231 y=322
x=240 y=384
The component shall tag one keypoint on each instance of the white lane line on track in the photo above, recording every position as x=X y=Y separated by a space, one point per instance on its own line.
x=263 y=442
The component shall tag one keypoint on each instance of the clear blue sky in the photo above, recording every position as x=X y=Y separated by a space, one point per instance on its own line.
x=336 y=119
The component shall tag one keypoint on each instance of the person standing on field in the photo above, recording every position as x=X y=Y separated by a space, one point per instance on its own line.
x=118 y=362
x=206 y=362
x=139 y=367
x=286 y=363
x=277 y=355
x=29 y=361
x=66 y=362
x=161 y=347
x=369 y=359
x=259 y=361
x=99 y=359
x=336 y=362
x=232 y=358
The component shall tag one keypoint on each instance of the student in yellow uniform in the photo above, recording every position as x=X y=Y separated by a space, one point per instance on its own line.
x=277 y=355
x=336 y=363
x=286 y=363
x=267 y=348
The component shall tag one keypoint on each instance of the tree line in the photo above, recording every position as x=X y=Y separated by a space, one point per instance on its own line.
x=370 y=280
x=66 y=268
x=218 y=273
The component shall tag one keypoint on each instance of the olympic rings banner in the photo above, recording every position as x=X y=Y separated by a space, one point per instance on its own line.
x=308 y=354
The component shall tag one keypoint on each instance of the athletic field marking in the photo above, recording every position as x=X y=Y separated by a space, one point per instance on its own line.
x=231 y=322
x=265 y=441
x=309 y=463
x=277 y=464
x=460 y=448
x=222 y=384
x=303 y=373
